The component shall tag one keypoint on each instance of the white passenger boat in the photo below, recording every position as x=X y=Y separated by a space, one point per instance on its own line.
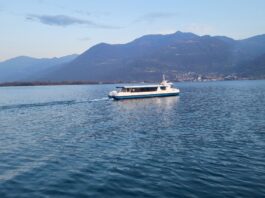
x=163 y=89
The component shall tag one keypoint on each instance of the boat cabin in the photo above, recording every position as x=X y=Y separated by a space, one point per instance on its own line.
x=165 y=88
x=135 y=89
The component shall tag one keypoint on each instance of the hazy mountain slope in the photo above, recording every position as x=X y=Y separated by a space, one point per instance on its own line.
x=250 y=48
x=255 y=67
x=150 y=56
x=24 y=67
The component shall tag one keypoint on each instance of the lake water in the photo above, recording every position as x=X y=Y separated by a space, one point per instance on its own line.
x=71 y=141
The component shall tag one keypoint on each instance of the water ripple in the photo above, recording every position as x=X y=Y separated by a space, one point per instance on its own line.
x=53 y=103
x=72 y=141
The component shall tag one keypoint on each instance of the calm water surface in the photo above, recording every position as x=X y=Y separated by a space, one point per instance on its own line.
x=71 y=141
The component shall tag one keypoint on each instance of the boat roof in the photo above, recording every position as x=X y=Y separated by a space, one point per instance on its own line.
x=137 y=86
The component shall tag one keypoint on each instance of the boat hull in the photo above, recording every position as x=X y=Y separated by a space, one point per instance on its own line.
x=143 y=96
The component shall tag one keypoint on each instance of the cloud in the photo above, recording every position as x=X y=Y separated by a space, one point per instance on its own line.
x=151 y=17
x=64 y=20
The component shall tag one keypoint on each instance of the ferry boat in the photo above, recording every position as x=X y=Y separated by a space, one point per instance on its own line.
x=163 y=89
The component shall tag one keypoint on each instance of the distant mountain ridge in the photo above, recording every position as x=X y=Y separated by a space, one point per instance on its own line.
x=24 y=67
x=150 y=56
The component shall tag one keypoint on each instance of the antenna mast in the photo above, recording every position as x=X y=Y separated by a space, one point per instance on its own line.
x=164 y=78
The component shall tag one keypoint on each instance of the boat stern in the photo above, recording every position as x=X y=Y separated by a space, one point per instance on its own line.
x=112 y=94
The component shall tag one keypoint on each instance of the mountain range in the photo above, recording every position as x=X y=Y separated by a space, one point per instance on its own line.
x=147 y=58
x=24 y=68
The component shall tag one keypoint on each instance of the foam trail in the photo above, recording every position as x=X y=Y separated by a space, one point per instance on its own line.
x=16 y=106
x=53 y=103
x=100 y=99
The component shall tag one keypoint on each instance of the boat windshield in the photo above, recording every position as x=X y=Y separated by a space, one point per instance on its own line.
x=163 y=87
x=123 y=90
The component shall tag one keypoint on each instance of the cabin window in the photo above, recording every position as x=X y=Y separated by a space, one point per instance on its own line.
x=146 y=89
x=139 y=89
x=163 y=88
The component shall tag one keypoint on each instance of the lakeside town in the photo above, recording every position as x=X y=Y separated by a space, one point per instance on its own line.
x=184 y=77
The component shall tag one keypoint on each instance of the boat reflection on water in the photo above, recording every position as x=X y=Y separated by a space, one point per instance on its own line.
x=159 y=102
x=148 y=113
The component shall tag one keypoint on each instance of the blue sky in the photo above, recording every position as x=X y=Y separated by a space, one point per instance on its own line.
x=49 y=28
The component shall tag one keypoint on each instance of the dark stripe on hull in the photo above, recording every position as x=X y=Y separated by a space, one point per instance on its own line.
x=144 y=96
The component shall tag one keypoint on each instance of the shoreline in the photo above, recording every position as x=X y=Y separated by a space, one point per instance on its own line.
x=48 y=83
